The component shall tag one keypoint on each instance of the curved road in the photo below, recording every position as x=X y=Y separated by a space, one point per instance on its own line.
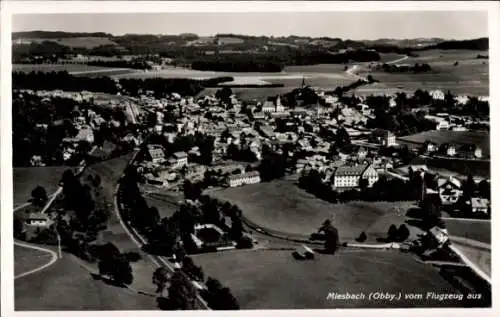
x=34 y=247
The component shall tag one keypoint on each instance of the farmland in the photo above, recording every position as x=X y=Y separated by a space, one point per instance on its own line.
x=74 y=69
x=469 y=77
x=283 y=207
x=257 y=279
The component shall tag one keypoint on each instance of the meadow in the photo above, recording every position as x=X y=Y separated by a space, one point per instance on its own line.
x=68 y=285
x=281 y=207
x=28 y=259
x=469 y=77
x=256 y=278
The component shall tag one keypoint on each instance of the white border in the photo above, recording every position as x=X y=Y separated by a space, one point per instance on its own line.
x=10 y=7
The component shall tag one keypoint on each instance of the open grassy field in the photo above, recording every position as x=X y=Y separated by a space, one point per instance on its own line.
x=68 y=286
x=85 y=42
x=454 y=137
x=475 y=230
x=283 y=207
x=470 y=76
x=27 y=178
x=256 y=279
x=28 y=259
x=166 y=206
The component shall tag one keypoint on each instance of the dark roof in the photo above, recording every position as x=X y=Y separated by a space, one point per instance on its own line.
x=243 y=175
x=179 y=155
x=353 y=170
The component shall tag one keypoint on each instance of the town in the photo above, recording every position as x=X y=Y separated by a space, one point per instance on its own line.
x=185 y=193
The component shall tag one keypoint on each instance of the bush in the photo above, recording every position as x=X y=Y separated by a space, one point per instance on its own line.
x=403 y=233
x=245 y=243
x=392 y=233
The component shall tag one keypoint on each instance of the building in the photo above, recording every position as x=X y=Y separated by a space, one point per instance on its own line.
x=384 y=137
x=440 y=123
x=37 y=219
x=155 y=153
x=350 y=176
x=450 y=190
x=273 y=106
x=179 y=160
x=448 y=149
x=243 y=179
x=437 y=94
x=478 y=206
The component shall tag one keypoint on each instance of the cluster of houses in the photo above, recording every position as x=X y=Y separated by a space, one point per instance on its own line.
x=450 y=191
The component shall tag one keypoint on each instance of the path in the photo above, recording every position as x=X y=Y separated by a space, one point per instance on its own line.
x=29 y=246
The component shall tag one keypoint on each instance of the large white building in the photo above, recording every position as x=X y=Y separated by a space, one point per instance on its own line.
x=179 y=160
x=275 y=106
x=350 y=176
x=243 y=179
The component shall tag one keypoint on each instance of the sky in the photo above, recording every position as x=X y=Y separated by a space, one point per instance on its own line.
x=345 y=25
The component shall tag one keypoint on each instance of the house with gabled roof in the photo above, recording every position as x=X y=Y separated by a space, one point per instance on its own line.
x=349 y=176
x=450 y=190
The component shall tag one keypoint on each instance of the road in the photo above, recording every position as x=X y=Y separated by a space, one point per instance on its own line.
x=34 y=247
x=140 y=241
x=351 y=71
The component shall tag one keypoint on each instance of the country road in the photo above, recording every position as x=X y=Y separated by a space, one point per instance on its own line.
x=351 y=71
x=38 y=248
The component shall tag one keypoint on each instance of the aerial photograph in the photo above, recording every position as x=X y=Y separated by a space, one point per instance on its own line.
x=251 y=160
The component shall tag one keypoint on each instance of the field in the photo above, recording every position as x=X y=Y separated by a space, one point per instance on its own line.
x=256 y=278
x=282 y=207
x=454 y=137
x=68 y=286
x=27 y=178
x=85 y=42
x=74 y=69
x=28 y=259
x=469 y=77
x=475 y=230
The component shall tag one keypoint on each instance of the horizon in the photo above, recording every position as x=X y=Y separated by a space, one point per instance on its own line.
x=359 y=26
x=239 y=34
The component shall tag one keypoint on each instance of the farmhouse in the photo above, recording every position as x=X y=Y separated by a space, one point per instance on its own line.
x=449 y=190
x=478 y=206
x=37 y=219
x=179 y=160
x=155 y=153
x=243 y=179
x=350 y=176
x=441 y=123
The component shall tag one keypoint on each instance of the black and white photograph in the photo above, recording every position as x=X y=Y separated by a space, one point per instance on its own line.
x=271 y=160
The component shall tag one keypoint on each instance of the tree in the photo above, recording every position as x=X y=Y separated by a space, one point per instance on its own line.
x=181 y=293
x=331 y=236
x=403 y=233
x=236 y=228
x=392 y=233
x=39 y=196
x=469 y=187
x=161 y=276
